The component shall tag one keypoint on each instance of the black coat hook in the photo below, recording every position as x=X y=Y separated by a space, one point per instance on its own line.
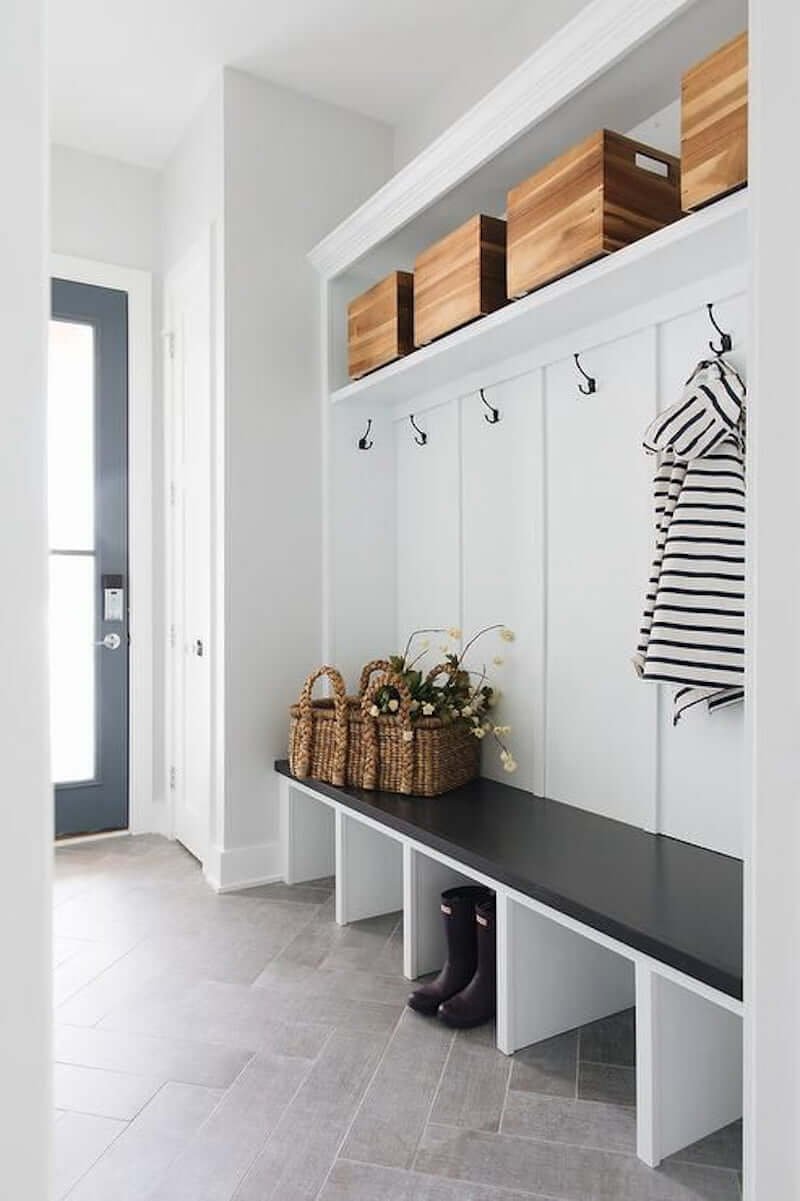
x=493 y=416
x=420 y=437
x=364 y=442
x=726 y=341
x=591 y=382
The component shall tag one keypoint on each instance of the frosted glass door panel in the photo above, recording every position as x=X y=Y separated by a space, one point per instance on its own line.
x=72 y=667
x=70 y=436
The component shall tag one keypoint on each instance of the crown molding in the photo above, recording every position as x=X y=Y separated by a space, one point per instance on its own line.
x=599 y=36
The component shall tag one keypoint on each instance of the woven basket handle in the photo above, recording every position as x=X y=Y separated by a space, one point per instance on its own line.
x=444 y=669
x=369 y=671
x=306 y=728
x=370 y=779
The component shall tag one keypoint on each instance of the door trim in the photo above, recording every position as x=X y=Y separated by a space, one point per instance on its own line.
x=148 y=813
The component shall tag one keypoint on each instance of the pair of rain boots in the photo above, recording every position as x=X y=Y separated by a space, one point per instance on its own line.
x=464 y=994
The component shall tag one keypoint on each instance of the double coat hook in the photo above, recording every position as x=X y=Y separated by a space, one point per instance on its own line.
x=493 y=415
x=726 y=341
x=365 y=442
x=591 y=382
x=420 y=437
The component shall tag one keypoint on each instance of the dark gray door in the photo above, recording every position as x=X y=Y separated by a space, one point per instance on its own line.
x=88 y=490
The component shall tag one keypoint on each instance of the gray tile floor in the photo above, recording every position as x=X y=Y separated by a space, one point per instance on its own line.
x=245 y=1047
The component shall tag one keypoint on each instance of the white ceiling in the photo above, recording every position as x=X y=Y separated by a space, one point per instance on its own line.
x=126 y=77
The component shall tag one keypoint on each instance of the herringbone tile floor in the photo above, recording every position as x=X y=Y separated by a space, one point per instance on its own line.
x=212 y=1048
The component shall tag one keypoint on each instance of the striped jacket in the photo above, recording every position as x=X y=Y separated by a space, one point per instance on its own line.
x=692 y=633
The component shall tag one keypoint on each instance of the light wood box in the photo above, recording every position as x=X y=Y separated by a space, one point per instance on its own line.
x=380 y=324
x=602 y=195
x=714 y=125
x=459 y=278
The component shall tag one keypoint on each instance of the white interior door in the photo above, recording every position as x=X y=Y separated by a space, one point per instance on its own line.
x=189 y=458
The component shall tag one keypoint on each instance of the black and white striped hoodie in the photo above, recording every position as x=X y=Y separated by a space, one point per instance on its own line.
x=692 y=633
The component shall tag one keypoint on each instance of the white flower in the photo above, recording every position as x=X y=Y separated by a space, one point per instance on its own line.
x=476 y=721
x=374 y=711
x=455 y=633
x=394 y=705
x=466 y=711
x=498 y=660
x=408 y=735
x=487 y=725
x=509 y=764
x=479 y=701
x=507 y=635
x=479 y=732
x=502 y=729
x=428 y=709
x=504 y=755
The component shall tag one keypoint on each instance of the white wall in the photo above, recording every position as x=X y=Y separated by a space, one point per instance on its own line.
x=294 y=167
x=103 y=209
x=518 y=31
x=544 y=522
x=27 y=818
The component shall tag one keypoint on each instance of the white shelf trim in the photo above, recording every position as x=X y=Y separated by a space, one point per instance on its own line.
x=599 y=36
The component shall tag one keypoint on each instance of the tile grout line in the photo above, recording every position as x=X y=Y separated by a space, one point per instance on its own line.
x=551 y=1142
x=105 y=1151
x=436 y=1092
x=284 y=1111
x=500 y=1189
x=359 y=1107
x=505 y=1095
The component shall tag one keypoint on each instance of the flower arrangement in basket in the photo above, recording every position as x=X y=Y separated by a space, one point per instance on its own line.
x=409 y=730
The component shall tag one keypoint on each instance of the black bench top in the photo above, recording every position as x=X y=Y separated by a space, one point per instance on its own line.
x=678 y=903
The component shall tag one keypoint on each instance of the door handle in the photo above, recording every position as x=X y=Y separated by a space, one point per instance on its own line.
x=199 y=649
x=111 y=642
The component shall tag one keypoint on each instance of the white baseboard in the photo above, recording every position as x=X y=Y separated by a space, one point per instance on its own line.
x=228 y=870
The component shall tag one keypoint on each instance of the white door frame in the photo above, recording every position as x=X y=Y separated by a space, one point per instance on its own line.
x=144 y=815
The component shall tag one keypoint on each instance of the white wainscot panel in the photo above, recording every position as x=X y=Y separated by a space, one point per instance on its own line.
x=361 y=553
x=428 y=525
x=601 y=719
x=502 y=490
x=702 y=768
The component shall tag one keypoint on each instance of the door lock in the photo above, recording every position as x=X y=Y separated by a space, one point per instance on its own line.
x=111 y=642
x=199 y=650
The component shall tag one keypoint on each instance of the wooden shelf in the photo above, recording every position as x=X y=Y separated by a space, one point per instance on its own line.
x=699 y=245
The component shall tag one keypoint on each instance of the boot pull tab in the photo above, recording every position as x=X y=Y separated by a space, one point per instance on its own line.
x=481 y=920
x=446 y=909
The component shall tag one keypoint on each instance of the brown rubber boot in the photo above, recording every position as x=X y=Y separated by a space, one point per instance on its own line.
x=458 y=911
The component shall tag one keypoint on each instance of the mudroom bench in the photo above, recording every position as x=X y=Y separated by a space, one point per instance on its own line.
x=593 y=916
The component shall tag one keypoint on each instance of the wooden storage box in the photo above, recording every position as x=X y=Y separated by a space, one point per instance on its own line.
x=714 y=125
x=459 y=278
x=602 y=195
x=380 y=324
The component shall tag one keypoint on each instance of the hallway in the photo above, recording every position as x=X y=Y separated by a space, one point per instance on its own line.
x=244 y=1046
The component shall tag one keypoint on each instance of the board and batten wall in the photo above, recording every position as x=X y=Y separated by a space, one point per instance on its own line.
x=544 y=522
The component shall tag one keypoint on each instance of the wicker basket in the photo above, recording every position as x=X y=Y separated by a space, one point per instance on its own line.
x=425 y=757
x=340 y=742
x=318 y=741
